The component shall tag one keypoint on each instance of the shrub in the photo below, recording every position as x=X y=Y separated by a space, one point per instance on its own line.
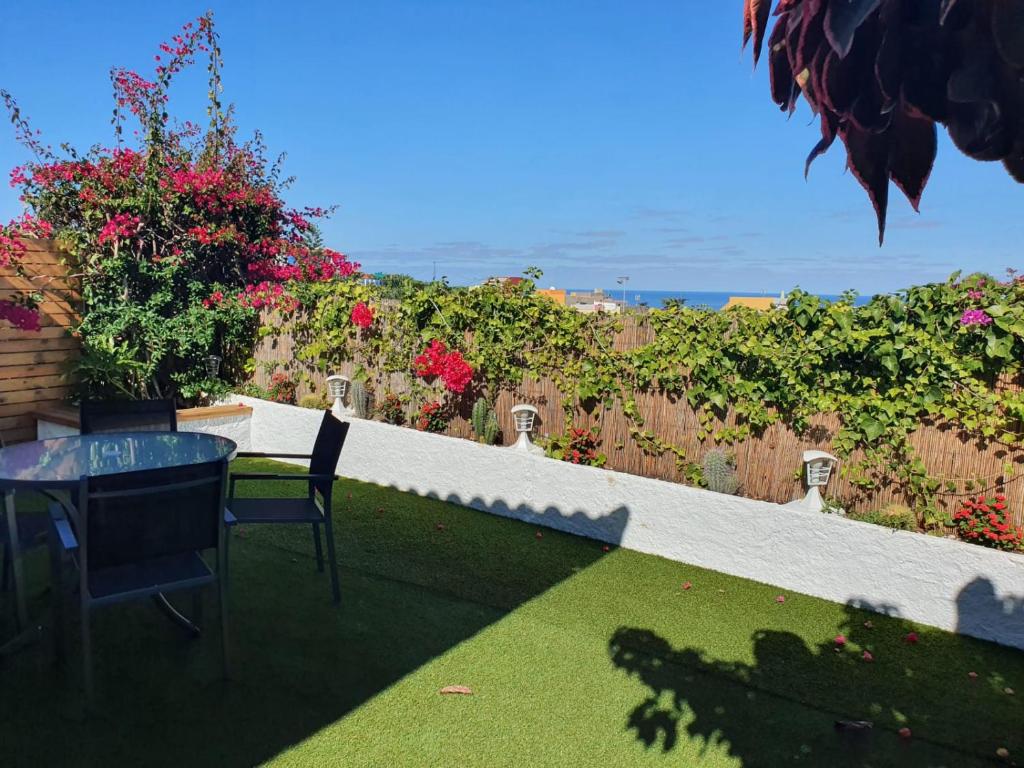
x=578 y=447
x=894 y=516
x=282 y=389
x=391 y=409
x=431 y=418
x=720 y=471
x=313 y=401
x=987 y=521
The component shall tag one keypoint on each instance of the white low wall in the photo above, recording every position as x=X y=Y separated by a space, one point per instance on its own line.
x=233 y=426
x=935 y=581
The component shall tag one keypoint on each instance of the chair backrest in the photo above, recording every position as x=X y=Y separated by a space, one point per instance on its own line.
x=327 y=450
x=127 y=416
x=133 y=517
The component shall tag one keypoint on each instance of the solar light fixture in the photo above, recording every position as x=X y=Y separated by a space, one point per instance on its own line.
x=213 y=366
x=524 y=417
x=818 y=467
x=337 y=388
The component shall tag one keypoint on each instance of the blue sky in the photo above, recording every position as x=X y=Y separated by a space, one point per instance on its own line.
x=593 y=139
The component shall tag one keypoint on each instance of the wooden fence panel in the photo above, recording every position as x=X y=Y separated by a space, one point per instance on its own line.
x=33 y=364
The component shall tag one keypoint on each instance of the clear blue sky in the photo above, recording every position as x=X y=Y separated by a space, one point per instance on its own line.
x=591 y=138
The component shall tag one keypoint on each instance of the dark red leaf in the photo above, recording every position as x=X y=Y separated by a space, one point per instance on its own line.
x=780 y=75
x=760 y=10
x=1015 y=163
x=912 y=150
x=868 y=160
x=748 y=23
x=842 y=20
x=1008 y=30
x=828 y=137
x=888 y=63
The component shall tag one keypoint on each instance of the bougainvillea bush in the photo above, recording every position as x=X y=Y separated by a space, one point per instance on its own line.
x=178 y=241
x=987 y=521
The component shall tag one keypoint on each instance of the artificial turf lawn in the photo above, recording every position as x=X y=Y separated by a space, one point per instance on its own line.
x=576 y=657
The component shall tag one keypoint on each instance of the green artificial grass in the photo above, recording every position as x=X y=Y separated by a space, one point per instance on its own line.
x=575 y=656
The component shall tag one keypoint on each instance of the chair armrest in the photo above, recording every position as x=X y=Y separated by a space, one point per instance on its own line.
x=229 y=518
x=260 y=454
x=65 y=535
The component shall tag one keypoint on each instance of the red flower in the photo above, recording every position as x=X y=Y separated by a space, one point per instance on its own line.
x=362 y=315
x=840 y=640
x=911 y=638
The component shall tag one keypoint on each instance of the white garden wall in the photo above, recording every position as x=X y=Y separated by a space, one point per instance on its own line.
x=935 y=581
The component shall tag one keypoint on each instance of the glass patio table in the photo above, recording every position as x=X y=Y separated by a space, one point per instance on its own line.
x=56 y=466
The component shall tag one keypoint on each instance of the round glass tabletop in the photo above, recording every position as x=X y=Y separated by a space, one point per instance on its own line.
x=63 y=460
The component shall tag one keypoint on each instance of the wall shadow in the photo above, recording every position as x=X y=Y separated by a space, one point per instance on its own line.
x=805 y=703
x=418 y=578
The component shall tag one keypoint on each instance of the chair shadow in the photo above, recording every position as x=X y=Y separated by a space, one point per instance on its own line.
x=798 y=703
x=419 y=576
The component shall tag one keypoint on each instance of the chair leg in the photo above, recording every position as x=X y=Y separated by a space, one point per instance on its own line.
x=331 y=558
x=5 y=580
x=90 y=690
x=222 y=606
x=57 y=590
x=319 y=548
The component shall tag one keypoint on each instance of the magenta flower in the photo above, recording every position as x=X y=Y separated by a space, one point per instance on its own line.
x=975 y=317
x=975 y=295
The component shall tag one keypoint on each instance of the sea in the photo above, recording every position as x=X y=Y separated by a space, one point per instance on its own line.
x=712 y=299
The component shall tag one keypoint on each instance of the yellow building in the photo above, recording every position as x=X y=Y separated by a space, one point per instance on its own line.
x=760 y=303
x=557 y=295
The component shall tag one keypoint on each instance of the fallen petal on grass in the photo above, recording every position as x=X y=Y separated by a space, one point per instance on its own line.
x=460 y=690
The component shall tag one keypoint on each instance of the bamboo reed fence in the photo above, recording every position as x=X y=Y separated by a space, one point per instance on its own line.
x=769 y=465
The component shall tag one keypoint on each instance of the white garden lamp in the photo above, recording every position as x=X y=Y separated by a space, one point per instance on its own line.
x=818 y=467
x=524 y=417
x=213 y=366
x=337 y=387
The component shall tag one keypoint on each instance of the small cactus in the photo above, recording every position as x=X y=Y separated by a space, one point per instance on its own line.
x=361 y=400
x=484 y=422
x=720 y=472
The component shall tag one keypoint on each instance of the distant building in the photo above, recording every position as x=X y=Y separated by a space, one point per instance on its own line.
x=760 y=303
x=367 y=279
x=510 y=280
x=557 y=295
x=593 y=301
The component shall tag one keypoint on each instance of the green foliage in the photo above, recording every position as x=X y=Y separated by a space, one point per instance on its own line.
x=882 y=368
x=315 y=402
x=484 y=422
x=720 y=471
x=894 y=516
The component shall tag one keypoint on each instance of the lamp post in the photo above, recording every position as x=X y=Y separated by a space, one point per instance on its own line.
x=622 y=280
x=524 y=417
x=337 y=387
x=818 y=467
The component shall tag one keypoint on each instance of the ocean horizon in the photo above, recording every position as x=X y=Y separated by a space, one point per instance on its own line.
x=712 y=299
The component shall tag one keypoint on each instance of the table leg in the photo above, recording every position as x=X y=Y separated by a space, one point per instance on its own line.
x=17 y=567
x=25 y=635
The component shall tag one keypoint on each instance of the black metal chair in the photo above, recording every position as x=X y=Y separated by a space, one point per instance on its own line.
x=127 y=416
x=308 y=510
x=139 y=535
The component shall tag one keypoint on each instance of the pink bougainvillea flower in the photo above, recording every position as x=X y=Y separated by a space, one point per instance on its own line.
x=606 y=548
x=972 y=675
x=539 y=535
x=868 y=656
x=869 y=624
x=911 y=638
x=780 y=599
x=975 y=317
x=687 y=585
x=840 y=640
x=905 y=733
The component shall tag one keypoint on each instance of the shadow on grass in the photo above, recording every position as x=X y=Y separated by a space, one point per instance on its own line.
x=418 y=576
x=797 y=703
